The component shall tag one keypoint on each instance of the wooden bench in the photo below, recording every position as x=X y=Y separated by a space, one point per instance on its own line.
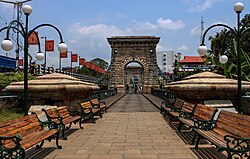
x=231 y=133
x=62 y=117
x=172 y=107
x=88 y=112
x=19 y=134
x=100 y=104
x=165 y=105
x=201 y=113
x=187 y=108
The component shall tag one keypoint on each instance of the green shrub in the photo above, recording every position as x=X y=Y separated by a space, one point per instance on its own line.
x=5 y=80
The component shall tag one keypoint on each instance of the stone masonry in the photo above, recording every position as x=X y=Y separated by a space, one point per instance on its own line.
x=127 y=49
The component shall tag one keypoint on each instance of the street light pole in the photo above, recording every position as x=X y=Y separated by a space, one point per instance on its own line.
x=7 y=45
x=238 y=31
x=71 y=63
x=18 y=5
x=45 y=39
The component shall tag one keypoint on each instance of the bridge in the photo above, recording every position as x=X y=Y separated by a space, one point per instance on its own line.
x=126 y=50
x=132 y=128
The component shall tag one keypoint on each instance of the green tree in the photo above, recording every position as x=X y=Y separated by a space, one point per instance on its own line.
x=5 y=80
x=224 y=43
x=100 y=62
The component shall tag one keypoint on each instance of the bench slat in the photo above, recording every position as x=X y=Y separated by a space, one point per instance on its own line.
x=234 y=124
x=204 y=112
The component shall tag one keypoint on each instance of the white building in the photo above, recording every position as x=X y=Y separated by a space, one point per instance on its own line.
x=165 y=60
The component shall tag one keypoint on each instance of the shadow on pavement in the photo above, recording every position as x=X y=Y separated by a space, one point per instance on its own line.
x=34 y=153
x=208 y=153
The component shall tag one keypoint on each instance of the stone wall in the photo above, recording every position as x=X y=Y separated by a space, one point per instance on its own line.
x=127 y=49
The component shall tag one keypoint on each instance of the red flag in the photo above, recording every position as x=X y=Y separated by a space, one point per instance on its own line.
x=74 y=58
x=64 y=54
x=32 y=40
x=82 y=61
x=97 y=69
x=103 y=71
x=88 y=64
x=20 y=62
x=50 y=45
x=92 y=66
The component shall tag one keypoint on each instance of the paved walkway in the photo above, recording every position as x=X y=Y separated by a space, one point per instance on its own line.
x=133 y=103
x=120 y=135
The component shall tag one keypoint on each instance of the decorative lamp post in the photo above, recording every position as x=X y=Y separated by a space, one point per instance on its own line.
x=7 y=45
x=237 y=32
x=45 y=41
x=71 y=67
x=223 y=59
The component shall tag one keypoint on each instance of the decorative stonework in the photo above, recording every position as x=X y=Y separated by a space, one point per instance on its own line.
x=127 y=49
x=54 y=89
x=207 y=86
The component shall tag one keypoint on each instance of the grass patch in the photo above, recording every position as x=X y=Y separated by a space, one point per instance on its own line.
x=8 y=115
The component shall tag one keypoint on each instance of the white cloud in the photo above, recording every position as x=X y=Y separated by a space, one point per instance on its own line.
x=196 y=30
x=183 y=48
x=160 y=47
x=91 y=40
x=6 y=5
x=170 y=24
x=200 y=5
x=161 y=24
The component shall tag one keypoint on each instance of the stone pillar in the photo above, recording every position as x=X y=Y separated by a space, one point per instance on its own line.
x=127 y=49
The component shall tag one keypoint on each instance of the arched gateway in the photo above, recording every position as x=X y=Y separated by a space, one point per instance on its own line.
x=139 y=49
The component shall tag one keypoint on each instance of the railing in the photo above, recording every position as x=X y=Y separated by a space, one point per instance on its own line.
x=84 y=78
x=103 y=94
x=162 y=93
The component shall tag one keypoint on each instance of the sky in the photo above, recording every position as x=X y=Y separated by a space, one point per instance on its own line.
x=86 y=25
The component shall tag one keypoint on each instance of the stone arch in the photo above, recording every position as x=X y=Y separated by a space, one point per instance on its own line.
x=133 y=71
x=127 y=49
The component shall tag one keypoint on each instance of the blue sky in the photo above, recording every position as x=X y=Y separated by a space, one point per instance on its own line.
x=85 y=25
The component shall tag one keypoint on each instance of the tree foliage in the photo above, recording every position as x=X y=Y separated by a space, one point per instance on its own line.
x=93 y=73
x=100 y=62
x=5 y=80
x=224 y=43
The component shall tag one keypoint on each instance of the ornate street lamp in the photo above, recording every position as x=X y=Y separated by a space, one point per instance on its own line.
x=7 y=45
x=237 y=32
x=45 y=60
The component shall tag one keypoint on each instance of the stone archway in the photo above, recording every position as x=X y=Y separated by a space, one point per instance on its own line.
x=126 y=49
x=134 y=76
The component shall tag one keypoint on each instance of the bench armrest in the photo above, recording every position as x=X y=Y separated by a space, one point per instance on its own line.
x=174 y=109
x=16 y=139
x=102 y=102
x=167 y=104
x=185 y=115
x=236 y=146
x=203 y=124
x=51 y=124
x=95 y=105
x=74 y=112
x=84 y=109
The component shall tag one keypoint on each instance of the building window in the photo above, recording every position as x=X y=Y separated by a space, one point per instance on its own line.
x=164 y=64
x=164 y=55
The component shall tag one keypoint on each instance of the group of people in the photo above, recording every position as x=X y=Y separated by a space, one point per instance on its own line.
x=135 y=88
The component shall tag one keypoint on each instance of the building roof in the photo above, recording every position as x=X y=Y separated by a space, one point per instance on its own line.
x=192 y=59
